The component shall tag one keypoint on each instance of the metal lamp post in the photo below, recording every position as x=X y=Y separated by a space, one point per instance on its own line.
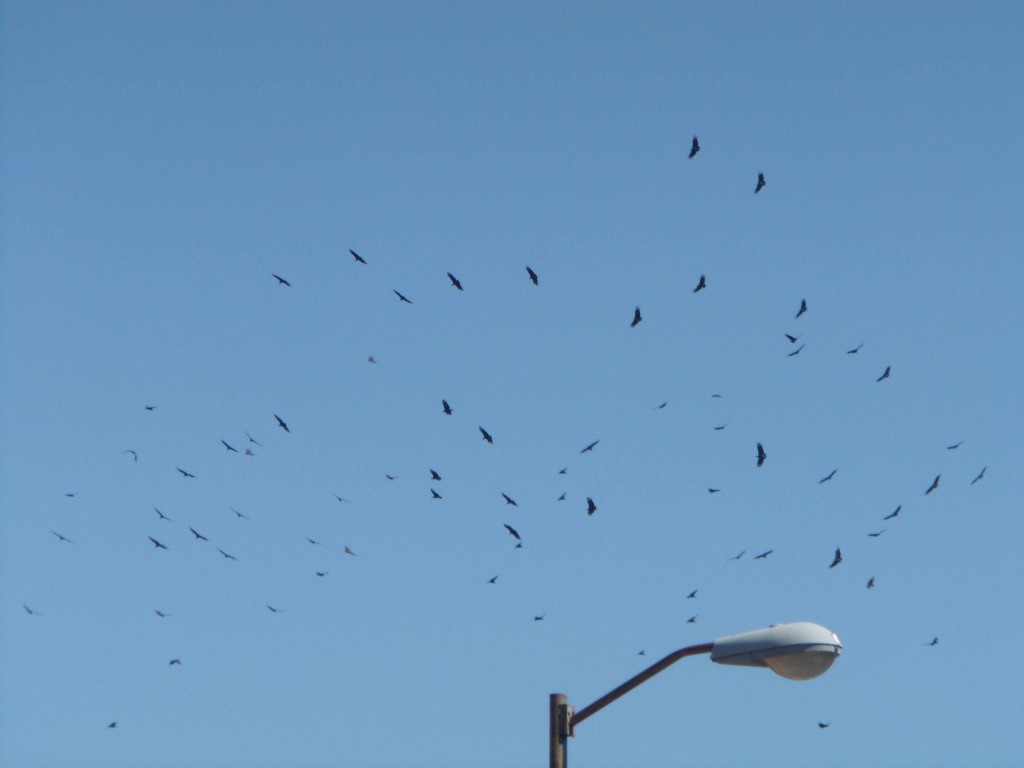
x=799 y=651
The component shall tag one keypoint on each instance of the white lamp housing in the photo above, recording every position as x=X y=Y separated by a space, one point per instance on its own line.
x=799 y=651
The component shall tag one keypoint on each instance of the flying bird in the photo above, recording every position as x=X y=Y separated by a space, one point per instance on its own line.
x=563 y=471
x=434 y=475
x=590 y=447
x=401 y=297
x=855 y=350
x=532 y=274
x=828 y=477
x=228 y=446
x=282 y=281
x=761 y=455
x=692 y=595
x=493 y=580
x=339 y=498
x=760 y=183
x=876 y=534
x=803 y=307
x=701 y=284
x=512 y=532
x=252 y=439
x=980 y=475
x=29 y=611
x=824 y=725
x=935 y=641
x=954 y=446
x=934 y=485
x=885 y=374
x=321 y=573
x=837 y=559
x=197 y=534
x=357 y=257
x=349 y=552
x=487 y=435
x=455 y=281
x=371 y=359
x=156 y=543
x=390 y=477
x=720 y=427
x=435 y=494
x=226 y=555
x=135 y=456
x=562 y=497
x=161 y=614
x=792 y=338
x=184 y=473
x=660 y=407
x=591 y=506
x=636 y=318
x=539 y=618
x=149 y=407
x=764 y=555
x=273 y=609
x=239 y=514
x=893 y=514
x=714 y=490
x=796 y=351
x=871 y=583
x=113 y=724
x=281 y=424
x=446 y=408
x=175 y=663
x=509 y=500
x=692 y=619
x=737 y=557
x=312 y=541
x=62 y=537
x=694 y=148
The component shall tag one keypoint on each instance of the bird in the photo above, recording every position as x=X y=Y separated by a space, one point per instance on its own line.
x=590 y=447
x=390 y=477
x=239 y=514
x=562 y=497
x=371 y=359
x=228 y=446
x=321 y=573
x=149 y=407
x=512 y=532
x=226 y=555
x=252 y=439
x=871 y=583
x=714 y=490
x=954 y=446
x=161 y=614
x=493 y=580
x=692 y=619
x=761 y=455
x=720 y=427
x=885 y=374
x=642 y=653
x=563 y=471
x=591 y=506
x=980 y=475
x=760 y=183
x=282 y=281
x=446 y=408
x=401 y=297
x=764 y=555
x=509 y=500
x=312 y=541
x=692 y=595
x=272 y=609
x=824 y=725
x=197 y=534
x=357 y=257
x=175 y=663
x=532 y=274
x=636 y=318
x=837 y=559
x=701 y=284
x=539 y=618
x=135 y=456
x=876 y=534
x=934 y=485
x=70 y=495
x=455 y=281
x=894 y=513
x=184 y=473
x=487 y=435
x=435 y=494
x=737 y=557
x=434 y=475
x=796 y=351
x=113 y=724
x=694 y=148
x=29 y=611
x=717 y=396
x=62 y=537
x=281 y=424
x=855 y=350
x=659 y=407
x=828 y=477
x=803 y=307
x=156 y=543
x=339 y=498
x=349 y=551
x=791 y=337
x=935 y=641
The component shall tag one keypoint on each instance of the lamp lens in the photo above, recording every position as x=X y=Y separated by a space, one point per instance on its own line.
x=801 y=666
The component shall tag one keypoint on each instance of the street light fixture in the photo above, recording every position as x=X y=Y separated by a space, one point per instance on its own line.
x=798 y=651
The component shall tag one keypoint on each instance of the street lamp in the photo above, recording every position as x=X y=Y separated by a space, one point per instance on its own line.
x=799 y=651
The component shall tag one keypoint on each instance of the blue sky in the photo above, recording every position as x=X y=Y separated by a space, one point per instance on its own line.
x=161 y=162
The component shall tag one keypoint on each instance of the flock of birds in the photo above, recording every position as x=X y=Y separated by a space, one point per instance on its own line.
x=759 y=458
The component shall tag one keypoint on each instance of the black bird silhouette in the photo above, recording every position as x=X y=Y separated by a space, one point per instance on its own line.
x=175 y=663
x=161 y=614
x=737 y=557
x=184 y=473
x=113 y=724
x=824 y=725
x=692 y=619
x=149 y=407
x=532 y=274
x=837 y=559
x=591 y=506
x=980 y=475
x=434 y=475
x=509 y=500
x=876 y=534
x=871 y=583
x=659 y=407
x=401 y=297
x=371 y=359
x=62 y=537
x=954 y=446
x=252 y=439
x=792 y=339
x=855 y=350
x=828 y=477
x=935 y=641
x=156 y=543
x=893 y=514
x=764 y=555
x=885 y=374
x=229 y=447
x=349 y=551
x=321 y=574
x=273 y=609
x=512 y=532
x=761 y=455
x=487 y=435
x=197 y=534
x=226 y=555
x=539 y=618
x=447 y=408
x=642 y=653
x=493 y=580
x=357 y=257
x=796 y=351
x=701 y=284
x=563 y=471
x=591 y=446
x=694 y=148
x=455 y=281
x=135 y=456
x=692 y=595
x=435 y=494
x=934 y=485
x=720 y=427
x=636 y=318
x=714 y=490
x=390 y=477
x=760 y=183
x=312 y=541
x=239 y=514
x=803 y=307
x=29 y=611
x=281 y=424
x=339 y=498
x=282 y=281
x=562 y=497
